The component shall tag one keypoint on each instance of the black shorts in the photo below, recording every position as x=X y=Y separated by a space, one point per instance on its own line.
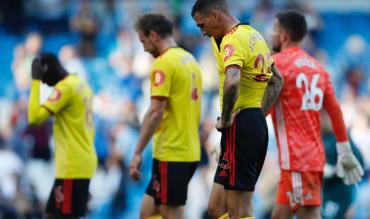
x=69 y=197
x=169 y=182
x=243 y=151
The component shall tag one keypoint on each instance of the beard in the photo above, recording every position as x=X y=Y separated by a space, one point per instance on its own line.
x=154 y=51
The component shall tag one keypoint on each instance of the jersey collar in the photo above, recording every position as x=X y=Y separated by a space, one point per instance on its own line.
x=292 y=49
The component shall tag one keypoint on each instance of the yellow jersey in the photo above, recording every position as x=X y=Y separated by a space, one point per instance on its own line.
x=246 y=49
x=73 y=127
x=176 y=76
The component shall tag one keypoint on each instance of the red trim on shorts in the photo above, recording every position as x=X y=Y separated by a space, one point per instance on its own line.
x=227 y=155
x=163 y=168
x=67 y=192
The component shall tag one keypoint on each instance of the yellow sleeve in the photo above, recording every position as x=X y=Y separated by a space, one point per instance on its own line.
x=160 y=79
x=36 y=113
x=233 y=53
x=59 y=98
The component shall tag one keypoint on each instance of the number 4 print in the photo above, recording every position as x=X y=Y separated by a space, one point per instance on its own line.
x=194 y=89
x=313 y=95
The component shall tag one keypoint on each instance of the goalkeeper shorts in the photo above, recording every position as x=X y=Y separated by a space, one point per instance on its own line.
x=299 y=189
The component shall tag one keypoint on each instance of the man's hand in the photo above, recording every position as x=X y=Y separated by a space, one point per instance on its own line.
x=135 y=167
x=348 y=167
x=38 y=70
x=221 y=124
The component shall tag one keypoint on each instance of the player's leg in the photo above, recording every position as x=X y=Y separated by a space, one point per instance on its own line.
x=150 y=203
x=68 y=199
x=282 y=211
x=311 y=198
x=172 y=212
x=173 y=187
x=217 y=201
x=246 y=147
x=239 y=204
x=51 y=206
x=148 y=207
x=284 y=200
x=298 y=192
x=309 y=212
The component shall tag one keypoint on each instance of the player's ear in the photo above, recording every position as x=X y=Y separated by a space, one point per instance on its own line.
x=153 y=35
x=284 y=36
x=215 y=14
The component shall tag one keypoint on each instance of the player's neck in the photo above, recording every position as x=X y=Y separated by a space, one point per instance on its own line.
x=230 y=22
x=166 y=44
x=290 y=45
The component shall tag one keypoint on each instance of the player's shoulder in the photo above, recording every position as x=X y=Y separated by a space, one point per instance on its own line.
x=316 y=64
x=166 y=61
x=162 y=60
x=70 y=80
x=240 y=32
x=282 y=61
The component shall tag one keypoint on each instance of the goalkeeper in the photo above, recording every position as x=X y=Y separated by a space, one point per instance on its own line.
x=296 y=117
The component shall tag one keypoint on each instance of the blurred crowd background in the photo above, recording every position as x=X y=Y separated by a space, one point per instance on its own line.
x=96 y=40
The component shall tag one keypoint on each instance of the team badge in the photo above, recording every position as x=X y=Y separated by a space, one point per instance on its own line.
x=158 y=78
x=229 y=51
x=55 y=95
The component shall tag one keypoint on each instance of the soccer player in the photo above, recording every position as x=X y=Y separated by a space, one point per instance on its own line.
x=245 y=68
x=172 y=120
x=75 y=159
x=296 y=119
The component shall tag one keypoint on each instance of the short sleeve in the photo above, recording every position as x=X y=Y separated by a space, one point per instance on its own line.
x=160 y=79
x=232 y=53
x=59 y=98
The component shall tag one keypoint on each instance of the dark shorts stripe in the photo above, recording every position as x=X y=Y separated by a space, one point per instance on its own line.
x=232 y=154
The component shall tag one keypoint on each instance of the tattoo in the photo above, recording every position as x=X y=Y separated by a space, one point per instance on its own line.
x=231 y=91
x=272 y=91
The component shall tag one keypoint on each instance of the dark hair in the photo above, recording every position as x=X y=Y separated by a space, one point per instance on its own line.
x=154 y=22
x=294 y=23
x=55 y=71
x=205 y=6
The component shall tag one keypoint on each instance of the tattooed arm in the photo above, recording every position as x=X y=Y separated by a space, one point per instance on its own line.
x=272 y=91
x=231 y=91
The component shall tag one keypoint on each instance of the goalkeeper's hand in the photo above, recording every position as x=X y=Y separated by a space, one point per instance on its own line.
x=348 y=167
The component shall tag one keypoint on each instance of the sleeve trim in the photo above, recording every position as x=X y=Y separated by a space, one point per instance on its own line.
x=232 y=66
x=159 y=97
